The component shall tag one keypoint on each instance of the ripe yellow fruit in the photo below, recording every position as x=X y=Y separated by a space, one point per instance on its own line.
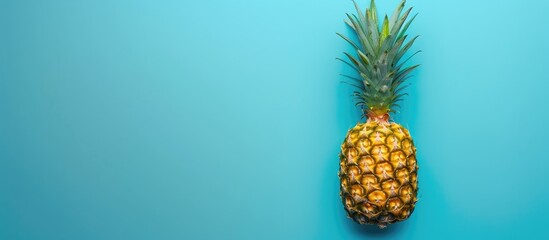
x=378 y=173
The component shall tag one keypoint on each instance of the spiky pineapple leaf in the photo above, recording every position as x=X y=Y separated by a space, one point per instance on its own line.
x=406 y=60
x=403 y=31
x=349 y=24
x=398 y=25
x=379 y=50
x=352 y=78
x=384 y=30
x=359 y=86
x=404 y=49
x=364 y=59
x=373 y=14
x=360 y=34
x=396 y=47
x=402 y=73
x=348 y=64
x=396 y=14
x=373 y=27
x=401 y=88
x=359 y=12
x=349 y=41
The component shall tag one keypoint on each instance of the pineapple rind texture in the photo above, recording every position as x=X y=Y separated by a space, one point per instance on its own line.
x=378 y=173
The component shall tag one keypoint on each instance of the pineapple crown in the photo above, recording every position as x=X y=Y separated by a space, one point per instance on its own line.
x=378 y=58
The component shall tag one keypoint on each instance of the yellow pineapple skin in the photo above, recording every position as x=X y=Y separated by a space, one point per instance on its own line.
x=378 y=173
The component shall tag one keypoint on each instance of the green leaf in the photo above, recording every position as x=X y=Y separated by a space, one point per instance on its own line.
x=373 y=28
x=403 y=31
x=396 y=28
x=386 y=46
x=366 y=80
x=360 y=14
x=401 y=88
x=395 y=49
x=397 y=82
x=402 y=51
x=354 y=85
x=382 y=64
x=398 y=97
x=371 y=46
x=396 y=13
x=352 y=78
x=402 y=73
x=348 y=64
x=349 y=24
x=373 y=14
x=353 y=60
x=384 y=30
x=403 y=62
x=349 y=41
x=364 y=58
x=360 y=34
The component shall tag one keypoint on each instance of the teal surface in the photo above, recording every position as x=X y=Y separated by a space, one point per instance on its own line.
x=223 y=119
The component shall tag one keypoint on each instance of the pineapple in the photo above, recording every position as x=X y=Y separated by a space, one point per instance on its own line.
x=378 y=168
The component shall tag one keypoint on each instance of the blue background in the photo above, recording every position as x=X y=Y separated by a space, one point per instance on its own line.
x=223 y=119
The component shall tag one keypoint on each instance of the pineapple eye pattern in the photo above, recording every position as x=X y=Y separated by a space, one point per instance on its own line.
x=379 y=185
